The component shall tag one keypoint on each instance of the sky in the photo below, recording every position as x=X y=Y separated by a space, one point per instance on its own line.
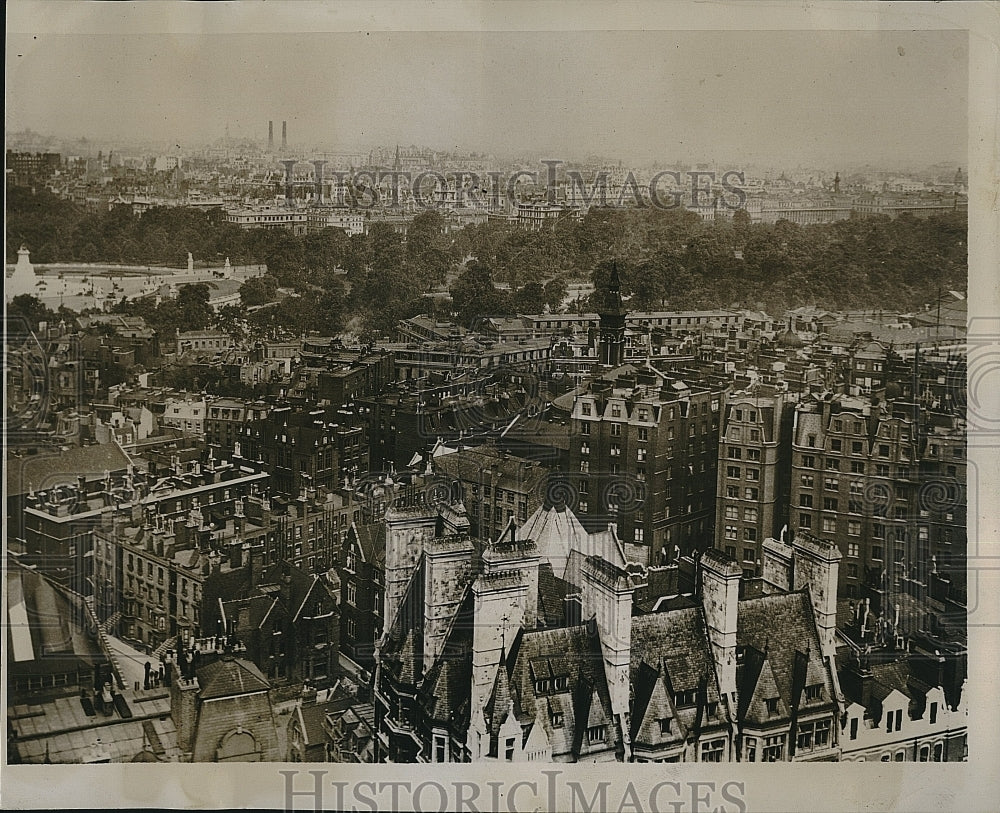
x=784 y=97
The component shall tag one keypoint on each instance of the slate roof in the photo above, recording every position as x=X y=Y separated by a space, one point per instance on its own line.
x=46 y=470
x=771 y=629
x=675 y=644
x=402 y=654
x=371 y=541
x=230 y=676
x=576 y=653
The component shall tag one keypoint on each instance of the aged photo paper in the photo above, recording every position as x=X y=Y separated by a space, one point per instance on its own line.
x=501 y=406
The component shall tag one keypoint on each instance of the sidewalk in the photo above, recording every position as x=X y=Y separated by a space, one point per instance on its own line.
x=132 y=662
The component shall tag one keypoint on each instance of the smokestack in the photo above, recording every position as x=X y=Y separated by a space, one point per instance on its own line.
x=270 y=136
x=284 y=135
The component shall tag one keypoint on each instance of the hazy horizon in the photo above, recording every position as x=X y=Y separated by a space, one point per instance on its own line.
x=781 y=97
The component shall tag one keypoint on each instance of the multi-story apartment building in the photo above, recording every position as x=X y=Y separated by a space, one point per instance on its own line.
x=886 y=482
x=496 y=487
x=226 y=417
x=754 y=474
x=644 y=455
x=305 y=449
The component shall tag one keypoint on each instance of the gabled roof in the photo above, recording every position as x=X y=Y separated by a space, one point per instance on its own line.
x=653 y=702
x=675 y=644
x=771 y=630
x=586 y=684
x=370 y=538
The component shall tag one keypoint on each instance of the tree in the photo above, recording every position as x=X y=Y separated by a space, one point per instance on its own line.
x=474 y=295
x=25 y=310
x=258 y=290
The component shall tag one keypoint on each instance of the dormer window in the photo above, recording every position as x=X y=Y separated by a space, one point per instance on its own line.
x=712 y=710
x=772 y=705
x=557 y=719
x=685 y=698
x=541 y=686
x=596 y=734
x=664 y=726
x=560 y=684
x=814 y=692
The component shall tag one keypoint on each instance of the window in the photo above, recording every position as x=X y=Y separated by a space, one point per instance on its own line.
x=686 y=698
x=857 y=467
x=352 y=593
x=616 y=450
x=732 y=512
x=616 y=410
x=585 y=408
x=925 y=753
x=596 y=734
x=750 y=514
x=829 y=525
x=772 y=705
x=732 y=532
x=643 y=433
x=835 y=445
x=541 y=686
x=616 y=430
x=933 y=713
x=939 y=752
x=829 y=503
x=857 y=447
x=807 y=480
x=732 y=471
x=751 y=493
x=665 y=727
x=753 y=474
x=814 y=692
x=735 y=452
x=822 y=735
x=733 y=492
x=509 y=749
x=750 y=749
x=712 y=750
x=805 y=521
x=852 y=547
x=804 y=741
x=833 y=464
x=774 y=748
x=805 y=500
x=557 y=719
x=808 y=461
x=753 y=454
x=750 y=534
x=585 y=429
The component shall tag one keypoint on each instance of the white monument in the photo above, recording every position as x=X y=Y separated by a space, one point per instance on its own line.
x=24 y=280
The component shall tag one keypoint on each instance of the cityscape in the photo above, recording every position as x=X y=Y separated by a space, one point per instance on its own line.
x=336 y=451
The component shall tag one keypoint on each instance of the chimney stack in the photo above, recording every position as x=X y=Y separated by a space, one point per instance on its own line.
x=777 y=565
x=607 y=598
x=448 y=568
x=499 y=602
x=720 y=596
x=406 y=531
x=816 y=566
